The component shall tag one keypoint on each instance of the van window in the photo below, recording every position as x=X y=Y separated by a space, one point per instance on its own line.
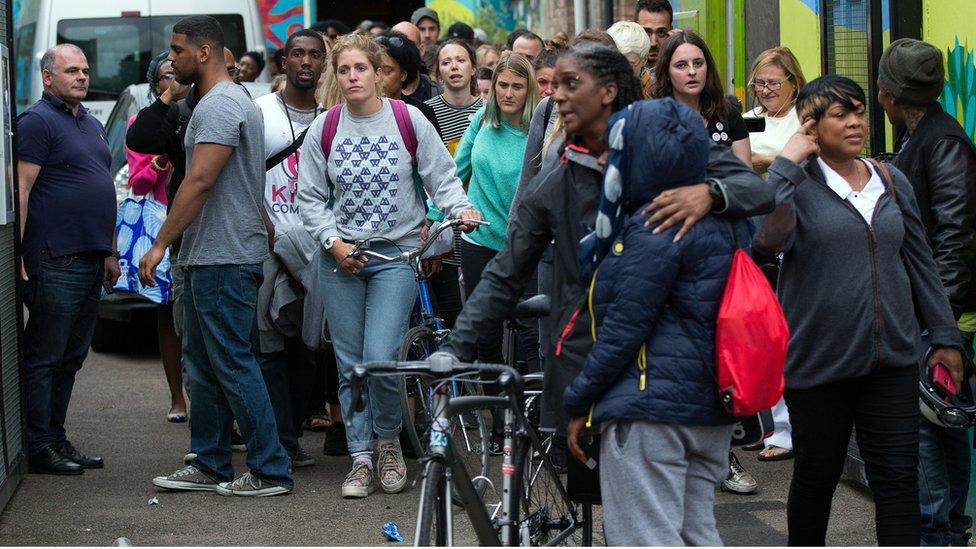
x=115 y=128
x=119 y=49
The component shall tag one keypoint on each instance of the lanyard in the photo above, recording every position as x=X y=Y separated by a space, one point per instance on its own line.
x=288 y=116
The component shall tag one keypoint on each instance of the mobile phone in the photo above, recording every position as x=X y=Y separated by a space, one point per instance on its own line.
x=943 y=380
x=108 y=286
x=755 y=125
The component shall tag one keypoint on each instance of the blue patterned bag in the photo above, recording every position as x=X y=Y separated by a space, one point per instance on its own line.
x=136 y=226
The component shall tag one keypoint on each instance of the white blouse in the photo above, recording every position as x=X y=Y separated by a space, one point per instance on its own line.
x=778 y=131
x=865 y=200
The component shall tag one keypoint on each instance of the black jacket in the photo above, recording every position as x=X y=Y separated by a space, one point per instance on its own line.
x=159 y=129
x=558 y=206
x=940 y=162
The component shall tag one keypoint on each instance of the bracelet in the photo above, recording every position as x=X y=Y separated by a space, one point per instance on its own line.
x=157 y=167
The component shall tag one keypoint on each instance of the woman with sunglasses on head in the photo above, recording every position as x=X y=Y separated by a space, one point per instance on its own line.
x=401 y=64
x=593 y=81
x=775 y=80
x=489 y=159
x=362 y=186
x=857 y=285
x=687 y=72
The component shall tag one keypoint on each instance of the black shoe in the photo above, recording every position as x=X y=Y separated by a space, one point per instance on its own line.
x=335 y=441
x=50 y=462
x=496 y=444
x=88 y=462
x=237 y=441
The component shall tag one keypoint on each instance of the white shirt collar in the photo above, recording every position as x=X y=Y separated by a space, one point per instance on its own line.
x=864 y=200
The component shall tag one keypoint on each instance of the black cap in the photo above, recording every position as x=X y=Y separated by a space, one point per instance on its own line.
x=460 y=30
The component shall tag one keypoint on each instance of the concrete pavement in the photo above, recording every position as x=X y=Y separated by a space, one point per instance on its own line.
x=118 y=412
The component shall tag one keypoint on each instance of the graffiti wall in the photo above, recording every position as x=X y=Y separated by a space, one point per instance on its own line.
x=942 y=25
x=281 y=18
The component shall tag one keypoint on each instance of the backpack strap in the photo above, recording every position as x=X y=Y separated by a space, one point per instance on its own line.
x=885 y=173
x=329 y=128
x=405 y=125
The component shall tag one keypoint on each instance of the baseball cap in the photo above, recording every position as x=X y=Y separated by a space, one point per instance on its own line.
x=460 y=30
x=420 y=13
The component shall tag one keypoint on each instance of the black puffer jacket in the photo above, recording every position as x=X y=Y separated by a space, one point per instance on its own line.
x=940 y=162
x=558 y=206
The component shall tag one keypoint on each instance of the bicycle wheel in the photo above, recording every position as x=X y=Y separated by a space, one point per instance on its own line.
x=431 y=517
x=547 y=515
x=417 y=344
x=469 y=434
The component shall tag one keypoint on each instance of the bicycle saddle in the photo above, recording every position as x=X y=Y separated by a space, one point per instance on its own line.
x=534 y=307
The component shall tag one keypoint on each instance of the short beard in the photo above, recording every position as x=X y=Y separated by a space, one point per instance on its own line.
x=298 y=85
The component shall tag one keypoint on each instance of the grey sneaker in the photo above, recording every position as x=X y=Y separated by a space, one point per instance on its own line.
x=187 y=478
x=302 y=458
x=249 y=484
x=393 y=471
x=738 y=481
x=359 y=481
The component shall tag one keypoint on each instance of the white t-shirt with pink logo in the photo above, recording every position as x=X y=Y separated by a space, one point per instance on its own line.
x=281 y=181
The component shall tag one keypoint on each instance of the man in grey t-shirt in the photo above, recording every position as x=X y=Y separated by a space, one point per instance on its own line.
x=218 y=211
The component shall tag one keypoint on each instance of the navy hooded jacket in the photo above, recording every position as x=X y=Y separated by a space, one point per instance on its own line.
x=646 y=281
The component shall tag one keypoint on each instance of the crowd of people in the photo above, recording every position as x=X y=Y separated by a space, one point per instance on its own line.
x=627 y=133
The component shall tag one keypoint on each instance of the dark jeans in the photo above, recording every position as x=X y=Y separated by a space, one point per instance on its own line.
x=223 y=375
x=445 y=291
x=943 y=477
x=474 y=258
x=62 y=298
x=288 y=376
x=883 y=406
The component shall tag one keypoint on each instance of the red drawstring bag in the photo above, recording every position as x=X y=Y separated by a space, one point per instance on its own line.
x=751 y=338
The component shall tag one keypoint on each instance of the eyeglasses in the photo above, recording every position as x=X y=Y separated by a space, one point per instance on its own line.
x=233 y=71
x=394 y=41
x=771 y=85
x=167 y=76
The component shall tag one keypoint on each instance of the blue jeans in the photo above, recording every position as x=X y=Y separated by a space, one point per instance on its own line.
x=943 y=478
x=222 y=373
x=62 y=297
x=368 y=314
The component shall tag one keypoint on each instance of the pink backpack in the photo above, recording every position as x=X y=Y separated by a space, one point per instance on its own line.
x=407 y=133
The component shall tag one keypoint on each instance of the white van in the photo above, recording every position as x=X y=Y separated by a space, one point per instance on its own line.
x=120 y=38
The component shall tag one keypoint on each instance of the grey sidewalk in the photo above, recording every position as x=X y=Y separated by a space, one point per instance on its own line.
x=117 y=412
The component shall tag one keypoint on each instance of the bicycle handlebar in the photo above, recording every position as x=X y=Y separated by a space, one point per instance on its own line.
x=439 y=365
x=362 y=246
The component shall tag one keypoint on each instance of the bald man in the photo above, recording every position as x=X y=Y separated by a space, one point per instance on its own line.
x=409 y=30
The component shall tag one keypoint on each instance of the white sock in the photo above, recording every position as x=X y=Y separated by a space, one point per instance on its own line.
x=364 y=458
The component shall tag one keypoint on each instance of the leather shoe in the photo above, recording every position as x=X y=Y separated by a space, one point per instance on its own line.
x=50 y=462
x=88 y=462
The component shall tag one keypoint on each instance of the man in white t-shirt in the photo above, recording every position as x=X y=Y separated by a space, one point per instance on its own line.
x=287 y=115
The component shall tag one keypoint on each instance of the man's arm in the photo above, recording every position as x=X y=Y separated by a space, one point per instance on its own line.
x=208 y=161
x=26 y=176
x=951 y=171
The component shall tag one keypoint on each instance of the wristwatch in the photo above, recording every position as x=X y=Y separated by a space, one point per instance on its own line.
x=330 y=241
x=717 y=192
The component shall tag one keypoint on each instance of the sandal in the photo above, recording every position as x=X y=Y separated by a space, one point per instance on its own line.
x=318 y=423
x=779 y=456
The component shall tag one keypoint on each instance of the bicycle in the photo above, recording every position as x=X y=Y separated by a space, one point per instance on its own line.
x=420 y=342
x=525 y=470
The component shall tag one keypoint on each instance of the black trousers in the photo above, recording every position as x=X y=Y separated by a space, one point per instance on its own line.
x=883 y=407
x=474 y=259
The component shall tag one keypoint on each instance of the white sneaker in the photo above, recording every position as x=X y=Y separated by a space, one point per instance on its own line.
x=393 y=470
x=249 y=484
x=359 y=481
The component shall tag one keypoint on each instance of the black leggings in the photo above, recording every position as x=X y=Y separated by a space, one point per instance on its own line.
x=474 y=258
x=883 y=407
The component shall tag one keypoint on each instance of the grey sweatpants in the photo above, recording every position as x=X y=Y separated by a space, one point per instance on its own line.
x=658 y=482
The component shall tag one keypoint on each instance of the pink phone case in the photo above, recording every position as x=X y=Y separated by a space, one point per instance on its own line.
x=943 y=379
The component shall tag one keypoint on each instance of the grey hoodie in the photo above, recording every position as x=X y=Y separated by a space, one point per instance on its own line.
x=847 y=286
x=372 y=192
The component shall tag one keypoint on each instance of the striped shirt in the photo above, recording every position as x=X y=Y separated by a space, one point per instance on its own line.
x=453 y=120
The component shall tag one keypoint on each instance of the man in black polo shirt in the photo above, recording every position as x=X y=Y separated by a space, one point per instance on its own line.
x=67 y=223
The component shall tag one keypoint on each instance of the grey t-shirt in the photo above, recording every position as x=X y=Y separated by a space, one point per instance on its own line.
x=229 y=229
